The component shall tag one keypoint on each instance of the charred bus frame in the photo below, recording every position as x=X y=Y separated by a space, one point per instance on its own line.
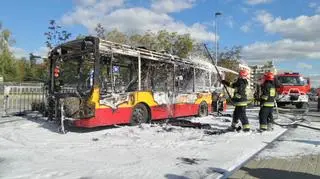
x=95 y=50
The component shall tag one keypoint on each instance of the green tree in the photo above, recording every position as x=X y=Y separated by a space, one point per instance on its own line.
x=21 y=65
x=117 y=36
x=183 y=45
x=100 y=31
x=55 y=35
x=8 y=67
x=163 y=41
x=172 y=42
x=230 y=58
x=148 y=40
x=135 y=40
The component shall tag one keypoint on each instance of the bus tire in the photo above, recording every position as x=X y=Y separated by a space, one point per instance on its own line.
x=140 y=114
x=203 y=109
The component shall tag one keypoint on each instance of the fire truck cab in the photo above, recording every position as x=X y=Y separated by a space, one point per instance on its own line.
x=292 y=88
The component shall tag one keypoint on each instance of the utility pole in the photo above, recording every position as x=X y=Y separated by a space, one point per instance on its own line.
x=216 y=34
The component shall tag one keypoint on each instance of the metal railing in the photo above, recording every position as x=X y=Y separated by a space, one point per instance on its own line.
x=18 y=98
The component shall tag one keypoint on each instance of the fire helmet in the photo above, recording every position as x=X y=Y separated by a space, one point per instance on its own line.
x=268 y=76
x=243 y=73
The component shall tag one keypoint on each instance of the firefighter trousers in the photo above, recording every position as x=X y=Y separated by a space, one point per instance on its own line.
x=265 y=116
x=240 y=113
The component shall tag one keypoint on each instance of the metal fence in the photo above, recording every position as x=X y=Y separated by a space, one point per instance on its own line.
x=18 y=98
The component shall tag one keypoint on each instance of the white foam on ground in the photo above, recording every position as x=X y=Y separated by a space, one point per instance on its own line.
x=295 y=143
x=32 y=149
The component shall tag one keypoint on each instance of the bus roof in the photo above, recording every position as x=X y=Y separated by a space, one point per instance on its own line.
x=92 y=44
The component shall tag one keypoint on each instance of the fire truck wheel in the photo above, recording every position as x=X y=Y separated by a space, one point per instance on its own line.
x=281 y=104
x=301 y=105
x=203 y=109
x=140 y=115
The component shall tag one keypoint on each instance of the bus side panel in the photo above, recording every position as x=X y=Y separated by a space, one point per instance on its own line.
x=105 y=117
x=161 y=112
x=159 y=103
x=188 y=105
x=181 y=110
x=185 y=105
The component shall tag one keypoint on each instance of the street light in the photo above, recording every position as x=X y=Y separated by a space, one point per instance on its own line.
x=216 y=28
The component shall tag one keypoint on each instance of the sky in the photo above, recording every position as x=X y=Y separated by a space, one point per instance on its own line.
x=285 y=31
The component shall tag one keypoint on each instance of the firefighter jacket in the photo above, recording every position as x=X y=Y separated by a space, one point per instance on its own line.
x=268 y=94
x=240 y=95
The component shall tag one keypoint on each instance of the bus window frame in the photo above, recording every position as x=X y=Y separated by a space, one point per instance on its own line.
x=177 y=70
x=97 y=53
x=69 y=51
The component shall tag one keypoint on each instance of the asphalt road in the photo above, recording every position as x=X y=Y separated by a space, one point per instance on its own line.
x=313 y=114
x=306 y=166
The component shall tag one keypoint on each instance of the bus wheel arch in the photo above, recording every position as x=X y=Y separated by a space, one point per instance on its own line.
x=203 y=109
x=141 y=113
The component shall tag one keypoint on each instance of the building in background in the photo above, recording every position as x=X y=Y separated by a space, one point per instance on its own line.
x=257 y=71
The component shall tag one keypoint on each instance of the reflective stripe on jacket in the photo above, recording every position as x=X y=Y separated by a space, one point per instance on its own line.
x=268 y=94
x=240 y=95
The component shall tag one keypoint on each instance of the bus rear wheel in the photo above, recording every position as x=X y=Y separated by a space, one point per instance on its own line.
x=203 y=109
x=140 y=115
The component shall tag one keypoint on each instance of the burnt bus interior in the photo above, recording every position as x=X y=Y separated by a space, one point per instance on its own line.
x=116 y=69
x=120 y=74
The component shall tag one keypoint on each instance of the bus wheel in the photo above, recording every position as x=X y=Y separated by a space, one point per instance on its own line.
x=203 y=109
x=139 y=115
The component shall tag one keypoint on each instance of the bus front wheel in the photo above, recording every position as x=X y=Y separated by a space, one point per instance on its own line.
x=203 y=109
x=140 y=115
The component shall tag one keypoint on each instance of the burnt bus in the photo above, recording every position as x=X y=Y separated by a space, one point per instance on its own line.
x=94 y=82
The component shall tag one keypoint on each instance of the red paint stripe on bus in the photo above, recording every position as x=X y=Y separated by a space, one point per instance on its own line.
x=107 y=116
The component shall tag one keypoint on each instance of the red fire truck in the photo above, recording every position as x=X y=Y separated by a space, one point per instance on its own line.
x=292 y=88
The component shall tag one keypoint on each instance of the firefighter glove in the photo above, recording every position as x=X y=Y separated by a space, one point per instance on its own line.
x=238 y=96
x=265 y=98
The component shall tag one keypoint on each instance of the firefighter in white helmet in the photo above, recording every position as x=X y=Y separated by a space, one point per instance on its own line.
x=239 y=100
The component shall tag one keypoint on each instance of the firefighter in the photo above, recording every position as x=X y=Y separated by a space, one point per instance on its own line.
x=239 y=101
x=267 y=102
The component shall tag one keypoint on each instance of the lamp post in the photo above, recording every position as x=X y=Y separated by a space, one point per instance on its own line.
x=216 y=29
